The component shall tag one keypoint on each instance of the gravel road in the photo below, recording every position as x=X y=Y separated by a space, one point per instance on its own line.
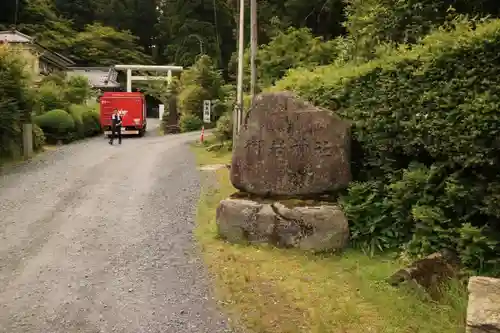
x=98 y=238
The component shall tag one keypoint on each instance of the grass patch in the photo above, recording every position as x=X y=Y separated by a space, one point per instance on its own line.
x=204 y=157
x=270 y=290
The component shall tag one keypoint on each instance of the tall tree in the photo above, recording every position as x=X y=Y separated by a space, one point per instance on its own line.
x=40 y=19
x=81 y=12
x=99 y=45
x=193 y=27
x=138 y=16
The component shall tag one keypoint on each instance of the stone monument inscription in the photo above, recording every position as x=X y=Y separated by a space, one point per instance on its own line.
x=289 y=147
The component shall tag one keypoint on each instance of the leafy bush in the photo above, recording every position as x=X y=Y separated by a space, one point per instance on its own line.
x=292 y=48
x=59 y=92
x=191 y=100
x=77 y=90
x=375 y=22
x=204 y=74
x=224 y=127
x=436 y=105
x=57 y=78
x=201 y=82
x=57 y=125
x=420 y=211
x=87 y=122
x=91 y=122
x=76 y=111
x=189 y=123
x=50 y=96
x=16 y=98
x=38 y=138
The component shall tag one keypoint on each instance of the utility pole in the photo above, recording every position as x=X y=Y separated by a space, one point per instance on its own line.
x=16 y=13
x=239 y=89
x=253 y=46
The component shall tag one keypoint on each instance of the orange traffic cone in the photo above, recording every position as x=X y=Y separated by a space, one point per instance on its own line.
x=202 y=134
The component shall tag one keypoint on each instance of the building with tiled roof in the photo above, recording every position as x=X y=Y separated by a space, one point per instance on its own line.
x=46 y=61
x=102 y=78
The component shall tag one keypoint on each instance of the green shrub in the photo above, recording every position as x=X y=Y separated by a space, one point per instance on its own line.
x=421 y=210
x=436 y=105
x=57 y=78
x=224 y=127
x=191 y=100
x=76 y=112
x=38 y=138
x=291 y=48
x=91 y=122
x=204 y=74
x=370 y=23
x=57 y=125
x=189 y=123
x=50 y=96
x=77 y=90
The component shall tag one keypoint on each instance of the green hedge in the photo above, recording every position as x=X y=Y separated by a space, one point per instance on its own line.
x=189 y=123
x=57 y=125
x=76 y=111
x=79 y=122
x=426 y=150
x=91 y=122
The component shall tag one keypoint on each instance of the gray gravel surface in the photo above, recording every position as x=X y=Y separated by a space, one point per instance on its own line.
x=98 y=238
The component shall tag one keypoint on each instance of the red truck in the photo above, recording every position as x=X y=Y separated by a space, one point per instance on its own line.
x=132 y=108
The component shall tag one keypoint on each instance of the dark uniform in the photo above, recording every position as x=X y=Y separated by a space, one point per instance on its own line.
x=116 y=128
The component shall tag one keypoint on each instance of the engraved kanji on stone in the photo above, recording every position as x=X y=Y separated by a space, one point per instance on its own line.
x=254 y=144
x=290 y=148
x=324 y=148
x=277 y=147
x=281 y=165
x=300 y=146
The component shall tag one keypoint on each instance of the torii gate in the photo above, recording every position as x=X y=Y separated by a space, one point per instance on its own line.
x=130 y=77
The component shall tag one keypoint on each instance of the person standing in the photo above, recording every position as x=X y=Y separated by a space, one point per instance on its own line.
x=116 y=127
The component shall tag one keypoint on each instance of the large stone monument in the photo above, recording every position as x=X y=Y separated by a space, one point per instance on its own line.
x=289 y=147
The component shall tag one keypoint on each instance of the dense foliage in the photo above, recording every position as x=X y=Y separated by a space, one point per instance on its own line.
x=167 y=31
x=57 y=125
x=426 y=121
x=200 y=82
x=291 y=48
x=56 y=104
x=77 y=122
x=374 y=22
x=58 y=92
x=15 y=100
x=97 y=32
